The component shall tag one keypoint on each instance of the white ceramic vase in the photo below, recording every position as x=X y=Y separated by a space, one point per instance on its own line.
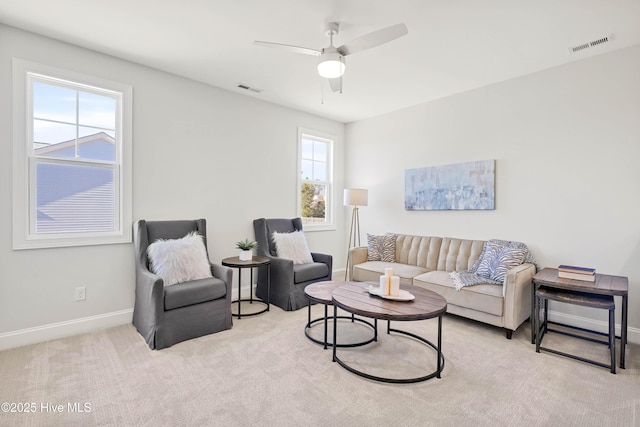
x=245 y=255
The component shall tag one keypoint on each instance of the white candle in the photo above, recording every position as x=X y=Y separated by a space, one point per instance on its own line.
x=395 y=286
x=388 y=271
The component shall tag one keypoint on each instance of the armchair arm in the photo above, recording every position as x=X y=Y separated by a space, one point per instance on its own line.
x=517 y=295
x=225 y=274
x=281 y=270
x=356 y=256
x=325 y=259
x=148 y=314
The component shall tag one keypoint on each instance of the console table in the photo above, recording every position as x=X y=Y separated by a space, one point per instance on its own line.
x=604 y=285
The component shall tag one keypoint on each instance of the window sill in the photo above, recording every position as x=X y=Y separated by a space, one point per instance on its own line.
x=310 y=228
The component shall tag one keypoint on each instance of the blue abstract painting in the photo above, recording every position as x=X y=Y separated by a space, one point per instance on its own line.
x=462 y=186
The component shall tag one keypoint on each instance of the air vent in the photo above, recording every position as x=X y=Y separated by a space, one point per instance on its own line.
x=249 y=88
x=593 y=43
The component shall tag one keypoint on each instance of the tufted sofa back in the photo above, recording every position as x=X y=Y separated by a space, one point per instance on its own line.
x=437 y=253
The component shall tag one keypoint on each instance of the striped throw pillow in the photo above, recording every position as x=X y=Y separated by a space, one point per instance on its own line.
x=497 y=261
x=381 y=248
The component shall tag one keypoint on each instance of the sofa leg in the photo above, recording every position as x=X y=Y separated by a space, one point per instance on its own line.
x=508 y=333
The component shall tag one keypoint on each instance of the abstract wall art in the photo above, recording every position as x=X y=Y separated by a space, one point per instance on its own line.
x=462 y=186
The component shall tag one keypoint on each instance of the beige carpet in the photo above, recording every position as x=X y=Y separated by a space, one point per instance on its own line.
x=264 y=371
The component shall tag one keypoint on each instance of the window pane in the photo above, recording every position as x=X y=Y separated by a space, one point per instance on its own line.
x=320 y=151
x=54 y=103
x=320 y=171
x=54 y=139
x=97 y=110
x=306 y=172
x=307 y=149
x=313 y=202
x=96 y=145
x=72 y=198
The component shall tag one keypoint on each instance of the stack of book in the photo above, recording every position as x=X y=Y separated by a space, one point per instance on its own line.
x=577 y=273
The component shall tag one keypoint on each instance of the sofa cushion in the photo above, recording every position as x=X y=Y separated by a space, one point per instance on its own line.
x=311 y=271
x=371 y=271
x=421 y=251
x=381 y=248
x=193 y=292
x=485 y=298
x=458 y=254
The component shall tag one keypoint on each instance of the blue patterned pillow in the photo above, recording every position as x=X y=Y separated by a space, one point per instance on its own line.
x=381 y=248
x=498 y=260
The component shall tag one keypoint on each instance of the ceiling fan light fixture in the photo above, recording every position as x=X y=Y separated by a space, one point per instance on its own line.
x=331 y=65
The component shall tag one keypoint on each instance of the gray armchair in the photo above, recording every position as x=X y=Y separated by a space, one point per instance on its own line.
x=288 y=280
x=166 y=315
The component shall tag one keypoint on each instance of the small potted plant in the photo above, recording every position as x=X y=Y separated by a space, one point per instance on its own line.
x=246 y=247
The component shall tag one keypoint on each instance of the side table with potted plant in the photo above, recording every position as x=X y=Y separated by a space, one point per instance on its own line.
x=246 y=247
x=245 y=259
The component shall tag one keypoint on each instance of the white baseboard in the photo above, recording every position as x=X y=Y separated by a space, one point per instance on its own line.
x=244 y=291
x=53 y=331
x=633 y=334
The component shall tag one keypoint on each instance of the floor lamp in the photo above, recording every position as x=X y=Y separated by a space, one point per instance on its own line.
x=354 y=197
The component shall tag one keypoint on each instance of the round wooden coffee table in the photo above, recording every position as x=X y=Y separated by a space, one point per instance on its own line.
x=321 y=292
x=354 y=297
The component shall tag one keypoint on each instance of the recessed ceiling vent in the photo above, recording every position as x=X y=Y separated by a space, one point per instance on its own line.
x=593 y=43
x=249 y=88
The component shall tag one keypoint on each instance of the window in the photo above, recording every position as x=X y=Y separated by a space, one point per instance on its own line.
x=315 y=194
x=72 y=151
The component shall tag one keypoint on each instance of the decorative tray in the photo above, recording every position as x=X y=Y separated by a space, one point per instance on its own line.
x=402 y=296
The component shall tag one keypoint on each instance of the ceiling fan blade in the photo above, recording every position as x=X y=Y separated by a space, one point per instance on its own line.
x=373 y=39
x=296 y=49
x=336 y=84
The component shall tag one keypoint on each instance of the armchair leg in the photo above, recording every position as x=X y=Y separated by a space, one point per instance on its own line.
x=508 y=333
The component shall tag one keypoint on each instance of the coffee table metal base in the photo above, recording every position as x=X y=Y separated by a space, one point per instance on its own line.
x=437 y=348
x=325 y=319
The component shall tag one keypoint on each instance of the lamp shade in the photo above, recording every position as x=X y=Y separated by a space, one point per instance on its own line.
x=356 y=197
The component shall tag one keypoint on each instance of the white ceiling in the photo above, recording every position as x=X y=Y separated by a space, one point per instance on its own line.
x=452 y=46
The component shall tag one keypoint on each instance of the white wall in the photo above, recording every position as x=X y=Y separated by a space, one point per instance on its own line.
x=567 y=146
x=198 y=152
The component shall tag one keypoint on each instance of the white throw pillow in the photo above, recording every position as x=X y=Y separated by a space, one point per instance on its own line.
x=179 y=260
x=292 y=246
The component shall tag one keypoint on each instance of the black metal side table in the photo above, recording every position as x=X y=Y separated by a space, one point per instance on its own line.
x=255 y=262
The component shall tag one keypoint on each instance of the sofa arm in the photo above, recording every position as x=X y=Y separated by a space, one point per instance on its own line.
x=356 y=256
x=517 y=295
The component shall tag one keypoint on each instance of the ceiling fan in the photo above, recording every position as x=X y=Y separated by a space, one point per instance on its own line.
x=331 y=64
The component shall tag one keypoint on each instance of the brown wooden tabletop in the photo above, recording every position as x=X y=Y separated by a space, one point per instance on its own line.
x=604 y=284
x=256 y=261
x=322 y=291
x=355 y=298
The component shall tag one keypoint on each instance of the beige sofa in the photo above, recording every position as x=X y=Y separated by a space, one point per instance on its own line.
x=428 y=261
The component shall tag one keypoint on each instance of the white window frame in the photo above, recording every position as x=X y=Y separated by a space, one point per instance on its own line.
x=24 y=236
x=330 y=207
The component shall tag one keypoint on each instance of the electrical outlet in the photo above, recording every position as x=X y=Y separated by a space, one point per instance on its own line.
x=80 y=293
